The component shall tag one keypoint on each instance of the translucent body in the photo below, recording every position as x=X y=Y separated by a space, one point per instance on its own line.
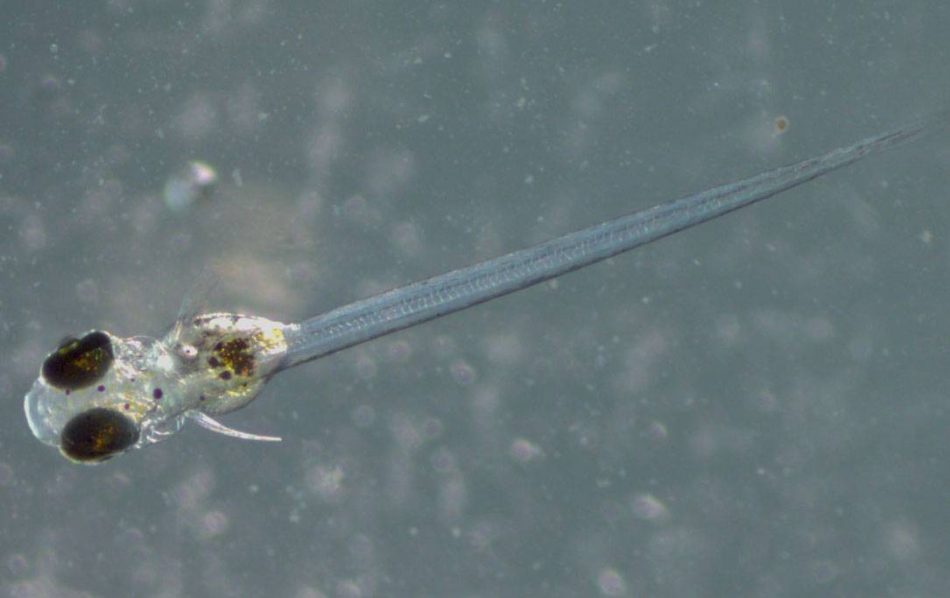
x=207 y=364
x=100 y=395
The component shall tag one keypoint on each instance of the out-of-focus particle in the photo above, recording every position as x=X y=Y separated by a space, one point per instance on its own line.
x=195 y=183
x=6 y=475
x=611 y=583
x=780 y=125
x=6 y=152
x=87 y=291
x=49 y=87
x=524 y=451
x=326 y=481
x=17 y=565
x=657 y=432
x=212 y=524
x=463 y=373
x=364 y=416
x=649 y=508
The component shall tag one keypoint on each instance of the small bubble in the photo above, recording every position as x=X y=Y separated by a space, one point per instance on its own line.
x=432 y=428
x=407 y=239
x=6 y=475
x=462 y=373
x=325 y=481
x=358 y=210
x=361 y=550
x=611 y=583
x=366 y=368
x=405 y=432
x=7 y=152
x=658 y=432
x=825 y=572
x=213 y=524
x=195 y=183
x=33 y=233
x=649 y=508
x=444 y=461
x=364 y=416
x=87 y=291
x=902 y=540
x=192 y=491
x=129 y=538
x=444 y=344
x=399 y=351
x=524 y=451
x=17 y=565
x=348 y=589
x=49 y=86
x=504 y=349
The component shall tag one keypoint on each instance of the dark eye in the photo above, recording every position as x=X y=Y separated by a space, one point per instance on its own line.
x=79 y=362
x=97 y=435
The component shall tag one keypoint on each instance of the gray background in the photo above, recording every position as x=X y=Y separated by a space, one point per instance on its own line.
x=755 y=407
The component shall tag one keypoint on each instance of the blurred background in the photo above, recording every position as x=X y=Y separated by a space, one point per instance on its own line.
x=752 y=408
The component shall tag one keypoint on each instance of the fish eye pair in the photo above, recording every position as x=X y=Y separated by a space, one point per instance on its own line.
x=98 y=433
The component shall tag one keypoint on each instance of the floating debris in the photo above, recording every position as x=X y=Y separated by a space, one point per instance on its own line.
x=781 y=125
x=196 y=183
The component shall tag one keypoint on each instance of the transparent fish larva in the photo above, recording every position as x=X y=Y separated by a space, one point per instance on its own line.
x=99 y=395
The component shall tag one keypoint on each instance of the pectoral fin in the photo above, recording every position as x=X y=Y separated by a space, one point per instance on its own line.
x=209 y=423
